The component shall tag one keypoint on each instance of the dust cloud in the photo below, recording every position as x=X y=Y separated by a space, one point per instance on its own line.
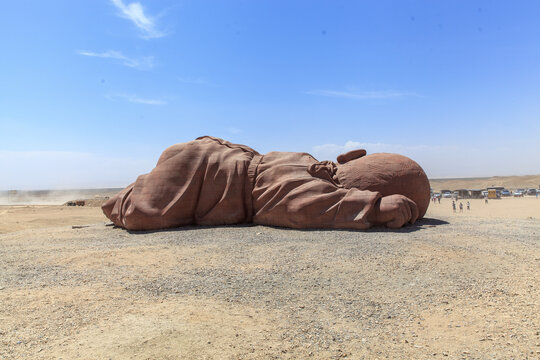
x=52 y=197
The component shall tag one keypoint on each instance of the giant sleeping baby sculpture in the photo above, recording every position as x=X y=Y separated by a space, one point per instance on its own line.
x=210 y=181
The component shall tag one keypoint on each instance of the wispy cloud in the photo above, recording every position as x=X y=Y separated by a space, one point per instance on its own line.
x=333 y=150
x=234 y=130
x=142 y=63
x=135 y=13
x=362 y=95
x=195 y=81
x=136 y=99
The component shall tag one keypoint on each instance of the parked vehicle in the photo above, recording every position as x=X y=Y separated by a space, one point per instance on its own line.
x=494 y=194
x=522 y=191
x=506 y=192
x=437 y=195
x=447 y=195
x=518 y=193
x=531 y=192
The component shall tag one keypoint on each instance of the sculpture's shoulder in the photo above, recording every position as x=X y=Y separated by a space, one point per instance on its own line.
x=218 y=141
x=205 y=147
x=289 y=158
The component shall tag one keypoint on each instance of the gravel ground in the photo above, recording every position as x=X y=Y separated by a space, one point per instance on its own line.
x=448 y=288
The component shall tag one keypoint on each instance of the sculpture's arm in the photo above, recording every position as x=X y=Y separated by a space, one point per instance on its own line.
x=320 y=204
x=315 y=204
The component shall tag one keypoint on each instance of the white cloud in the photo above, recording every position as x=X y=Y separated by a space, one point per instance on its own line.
x=135 y=13
x=334 y=149
x=364 y=95
x=142 y=63
x=449 y=161
x=234 y=130
x=136 y=99
x=32 y=170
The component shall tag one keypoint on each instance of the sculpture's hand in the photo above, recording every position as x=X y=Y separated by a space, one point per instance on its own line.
x=394 y=211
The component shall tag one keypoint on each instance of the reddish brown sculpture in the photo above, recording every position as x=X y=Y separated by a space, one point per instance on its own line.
x=210 y=181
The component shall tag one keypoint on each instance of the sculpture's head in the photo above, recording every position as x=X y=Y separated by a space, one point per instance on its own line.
x=386 y=173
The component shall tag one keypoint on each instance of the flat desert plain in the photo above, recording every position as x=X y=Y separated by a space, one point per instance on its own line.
x=453 y=286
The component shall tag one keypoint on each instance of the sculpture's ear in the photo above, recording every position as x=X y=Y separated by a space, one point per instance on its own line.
x=351 y=155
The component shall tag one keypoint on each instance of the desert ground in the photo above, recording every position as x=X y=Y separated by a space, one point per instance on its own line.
x=461 y=285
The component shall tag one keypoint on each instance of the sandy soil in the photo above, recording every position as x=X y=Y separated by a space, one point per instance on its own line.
x=26 y=217
x=453 y=286
x=527 y=207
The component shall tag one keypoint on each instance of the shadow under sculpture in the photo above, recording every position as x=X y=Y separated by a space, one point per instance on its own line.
x=210 y=181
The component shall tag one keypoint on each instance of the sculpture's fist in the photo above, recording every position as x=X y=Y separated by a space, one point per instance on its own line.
x=394 y=211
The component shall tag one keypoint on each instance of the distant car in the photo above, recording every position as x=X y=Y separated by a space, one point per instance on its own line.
x=531 y=192
x=518 y=193
x=506 y=193
x=437 y=195
x=447 y=195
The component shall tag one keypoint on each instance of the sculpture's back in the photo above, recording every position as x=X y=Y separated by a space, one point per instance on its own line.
x=201 y=182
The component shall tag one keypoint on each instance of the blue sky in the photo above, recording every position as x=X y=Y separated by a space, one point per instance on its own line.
x=93 y=91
